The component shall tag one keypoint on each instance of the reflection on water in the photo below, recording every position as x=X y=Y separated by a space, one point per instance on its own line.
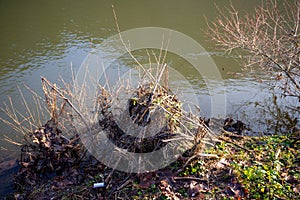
x=47 y=37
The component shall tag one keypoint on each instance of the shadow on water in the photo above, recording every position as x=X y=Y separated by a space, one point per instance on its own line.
x=8 y=170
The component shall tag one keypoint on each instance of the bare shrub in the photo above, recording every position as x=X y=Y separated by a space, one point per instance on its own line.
x=269 y=39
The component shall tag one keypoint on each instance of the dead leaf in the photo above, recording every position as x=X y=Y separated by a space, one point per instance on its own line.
x=296 y=189
x=290 y=179
x=195 y=191
x=24 y=164
x=222 y=164
x=146 y=183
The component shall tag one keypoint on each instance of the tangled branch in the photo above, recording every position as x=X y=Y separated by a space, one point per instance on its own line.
x=270 y=39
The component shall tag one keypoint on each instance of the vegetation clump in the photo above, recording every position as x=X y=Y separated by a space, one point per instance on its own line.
x=150 y=104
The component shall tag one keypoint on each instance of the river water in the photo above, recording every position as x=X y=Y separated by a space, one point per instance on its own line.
x=44 y=38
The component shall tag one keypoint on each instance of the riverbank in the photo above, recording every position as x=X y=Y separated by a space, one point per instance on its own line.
x=237 y=167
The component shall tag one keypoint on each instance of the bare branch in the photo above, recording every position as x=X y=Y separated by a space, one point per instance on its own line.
x=270 y=38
